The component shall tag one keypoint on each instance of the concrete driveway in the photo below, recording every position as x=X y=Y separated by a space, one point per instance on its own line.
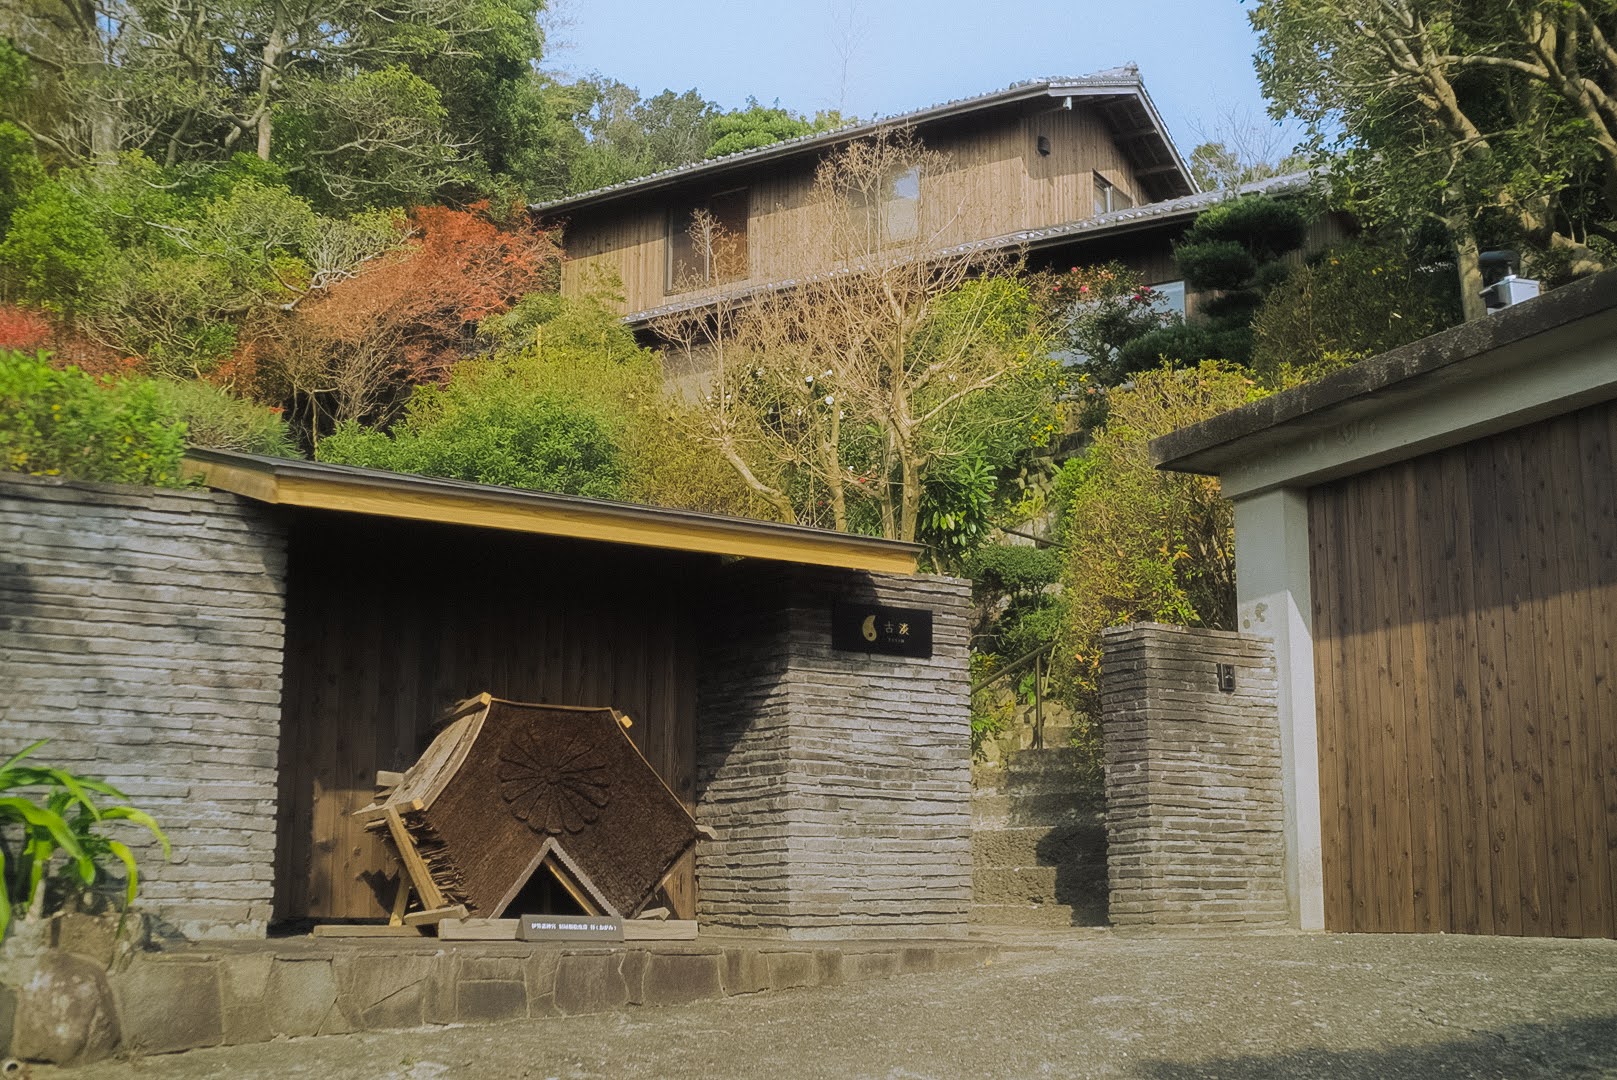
x=1059 y=1005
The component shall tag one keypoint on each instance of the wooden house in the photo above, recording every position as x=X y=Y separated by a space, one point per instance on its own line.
x=1079 y=169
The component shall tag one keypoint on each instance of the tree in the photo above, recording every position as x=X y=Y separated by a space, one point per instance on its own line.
x=442 y=92
x=758 y=126
x=625 y=136
x=839 y=399
x=1139 y=543
x=1102 y=310
x=567 y=401
x=1233 y=255
x=1493 y=119
x=352 y=350
x=1240 y=149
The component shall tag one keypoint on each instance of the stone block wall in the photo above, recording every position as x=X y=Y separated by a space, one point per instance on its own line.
x=141 y=632
x=839 y=783
x=1193 y=778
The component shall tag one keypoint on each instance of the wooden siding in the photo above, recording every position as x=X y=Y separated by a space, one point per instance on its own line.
x=996 y=183
x=390 y=622
x=1465 y=628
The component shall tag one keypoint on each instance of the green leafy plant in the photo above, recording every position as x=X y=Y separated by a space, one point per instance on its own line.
x=69 y=424
x=65 y=820
x=1140 y=544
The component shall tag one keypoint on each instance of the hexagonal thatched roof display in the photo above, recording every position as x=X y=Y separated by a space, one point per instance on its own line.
x=506 y=786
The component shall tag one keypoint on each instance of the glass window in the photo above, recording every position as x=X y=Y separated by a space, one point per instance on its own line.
x=901 y=209
x=1108 y=198
x=1173 y=295
x=707 y=243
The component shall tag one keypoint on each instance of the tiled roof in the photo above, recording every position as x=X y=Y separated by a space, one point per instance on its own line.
x=1123 y=80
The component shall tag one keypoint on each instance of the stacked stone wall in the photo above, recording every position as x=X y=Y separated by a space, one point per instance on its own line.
x=141 y=633
x=861 y=764
x=1193 y=778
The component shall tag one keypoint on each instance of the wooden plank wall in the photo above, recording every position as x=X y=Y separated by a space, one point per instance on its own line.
x=1465 y=628
x=996 y=182
x=389 y=622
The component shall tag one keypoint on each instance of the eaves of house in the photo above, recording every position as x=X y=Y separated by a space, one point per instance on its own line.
x=1128 y=109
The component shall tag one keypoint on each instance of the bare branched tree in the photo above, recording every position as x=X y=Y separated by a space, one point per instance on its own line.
x=849 y=387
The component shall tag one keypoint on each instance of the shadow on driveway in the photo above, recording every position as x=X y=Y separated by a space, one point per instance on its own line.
x=1539 y=1049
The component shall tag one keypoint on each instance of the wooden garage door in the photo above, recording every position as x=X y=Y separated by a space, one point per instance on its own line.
x=1465 y=615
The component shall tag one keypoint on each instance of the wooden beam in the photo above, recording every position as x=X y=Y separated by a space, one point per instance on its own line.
x=420 y=499
x=324 y=930
x=433 y=915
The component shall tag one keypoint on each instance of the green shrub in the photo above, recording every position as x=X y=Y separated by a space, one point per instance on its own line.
x=489 y=429
x=54 y=252
x=219 y=420
x=1141 y=544
x=1216 y=264
x=1355 y=300
x=1264 y=226
x=68 y=424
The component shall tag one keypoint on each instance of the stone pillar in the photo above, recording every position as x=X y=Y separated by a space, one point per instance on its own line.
x=839 y=783
x=1193 y=778
x=141 y=633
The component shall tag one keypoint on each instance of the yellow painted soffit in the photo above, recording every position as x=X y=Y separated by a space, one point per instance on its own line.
x=605 y=523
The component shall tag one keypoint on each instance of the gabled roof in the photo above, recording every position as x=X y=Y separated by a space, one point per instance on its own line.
x=343 y=488
x=1125 y=105
x=1144 y=216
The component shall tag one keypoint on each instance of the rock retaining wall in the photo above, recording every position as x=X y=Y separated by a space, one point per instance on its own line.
x=140 y=632
x=1193 y=778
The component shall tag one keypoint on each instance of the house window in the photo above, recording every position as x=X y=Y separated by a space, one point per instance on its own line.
x=1173 y=295
x=891 y=210
x=707 y=242
x=1108 y=198
x=901 y=205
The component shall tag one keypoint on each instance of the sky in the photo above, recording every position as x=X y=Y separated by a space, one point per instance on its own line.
x=1195 y=55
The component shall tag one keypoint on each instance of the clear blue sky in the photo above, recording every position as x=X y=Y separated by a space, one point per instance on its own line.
x=1195 y=55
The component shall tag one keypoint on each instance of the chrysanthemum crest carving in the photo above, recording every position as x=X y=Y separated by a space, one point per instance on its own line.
x=553 y=791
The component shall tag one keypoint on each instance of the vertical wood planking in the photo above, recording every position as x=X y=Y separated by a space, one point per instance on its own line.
x=375 y=652
x=1466 y=664
x=993 y=168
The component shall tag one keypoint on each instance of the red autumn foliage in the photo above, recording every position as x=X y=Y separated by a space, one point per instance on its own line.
x=32 y=331
x=350 y=351
x=23 y=330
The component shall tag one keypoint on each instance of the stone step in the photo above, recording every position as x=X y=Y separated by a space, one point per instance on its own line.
x=1053 y=758
x=1031 y=808
x=1024 y=915
x=1041 y=845
x=1015 y=885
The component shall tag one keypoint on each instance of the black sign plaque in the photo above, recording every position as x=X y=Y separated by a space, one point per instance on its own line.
x=891 y=631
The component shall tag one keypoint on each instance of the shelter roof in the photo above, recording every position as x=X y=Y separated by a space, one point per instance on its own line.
x=1540 y=358
x=345 y=489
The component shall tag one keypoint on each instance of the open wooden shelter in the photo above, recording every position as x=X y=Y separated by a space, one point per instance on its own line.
x=407 y=594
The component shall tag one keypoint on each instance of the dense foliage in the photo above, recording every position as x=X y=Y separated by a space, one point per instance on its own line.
x=1492 y=122
x=1349 y=302
x=69 y=424
x=1141 y=544
x=491 y=430
x=566 y=403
